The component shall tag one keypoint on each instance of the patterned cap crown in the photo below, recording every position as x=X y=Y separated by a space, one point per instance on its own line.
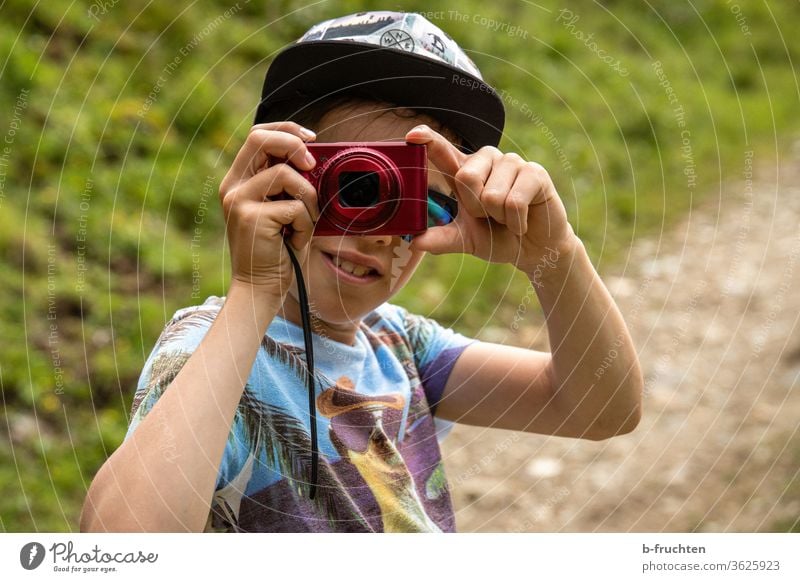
x=402 y=31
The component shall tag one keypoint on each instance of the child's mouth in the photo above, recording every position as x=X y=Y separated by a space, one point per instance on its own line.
x=350 y=271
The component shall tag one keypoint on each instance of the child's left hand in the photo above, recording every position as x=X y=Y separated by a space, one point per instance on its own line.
x=509 y=210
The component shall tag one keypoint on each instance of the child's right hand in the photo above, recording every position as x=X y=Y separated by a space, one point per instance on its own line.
x=255 y=220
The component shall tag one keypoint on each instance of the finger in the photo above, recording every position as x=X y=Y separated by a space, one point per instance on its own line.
x=291 y=213
x=519 y=199
x=279 y=179
x=441 y=239
x=498 y=185
x=288 y=127
x=259 y=147
x=471 y=178
x=441 y=152
x=302 y=228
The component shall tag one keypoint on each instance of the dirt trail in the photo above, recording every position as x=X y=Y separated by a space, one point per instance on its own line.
x=714 y=311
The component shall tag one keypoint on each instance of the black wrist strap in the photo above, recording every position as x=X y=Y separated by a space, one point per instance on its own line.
x=312 y=409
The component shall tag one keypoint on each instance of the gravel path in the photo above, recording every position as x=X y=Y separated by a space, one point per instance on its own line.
x=714 y=311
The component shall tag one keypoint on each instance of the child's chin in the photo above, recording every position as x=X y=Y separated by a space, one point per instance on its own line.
x=339 y=310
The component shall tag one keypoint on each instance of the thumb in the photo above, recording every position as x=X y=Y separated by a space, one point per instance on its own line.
x=440 y=240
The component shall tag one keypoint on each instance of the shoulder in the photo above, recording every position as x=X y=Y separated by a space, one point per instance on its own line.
x=385 y=315
x=189 y=324
x=209 y=309
x=390 y=317
x=417 y=330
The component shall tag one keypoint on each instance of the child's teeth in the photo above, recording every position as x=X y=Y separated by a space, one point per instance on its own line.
x=357 y=270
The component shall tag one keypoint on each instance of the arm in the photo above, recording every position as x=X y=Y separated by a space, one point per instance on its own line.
x=509 y=212
x=141 y=489
x=589 y=387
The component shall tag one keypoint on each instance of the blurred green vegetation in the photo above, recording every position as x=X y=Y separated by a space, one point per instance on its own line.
x=115 y=157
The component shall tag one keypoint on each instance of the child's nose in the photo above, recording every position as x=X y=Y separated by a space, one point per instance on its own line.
x=380 y=240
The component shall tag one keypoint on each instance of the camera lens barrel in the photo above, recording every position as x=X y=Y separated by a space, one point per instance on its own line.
x=372 y=188
x=359 y=189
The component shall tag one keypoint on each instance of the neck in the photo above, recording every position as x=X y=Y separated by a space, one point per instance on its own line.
x=344 y=333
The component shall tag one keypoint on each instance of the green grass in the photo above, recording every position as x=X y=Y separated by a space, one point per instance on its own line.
x=91 y=182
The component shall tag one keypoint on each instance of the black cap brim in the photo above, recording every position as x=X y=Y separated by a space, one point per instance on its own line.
x=307 y=71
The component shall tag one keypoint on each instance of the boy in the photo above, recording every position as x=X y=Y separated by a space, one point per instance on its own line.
x=219 y=438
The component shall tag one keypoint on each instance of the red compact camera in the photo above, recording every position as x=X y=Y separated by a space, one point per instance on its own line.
x=372 y=188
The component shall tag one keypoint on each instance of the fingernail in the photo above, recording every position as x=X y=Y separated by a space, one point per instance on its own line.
x=422 y=127
x=310 y=160
x=307 y=133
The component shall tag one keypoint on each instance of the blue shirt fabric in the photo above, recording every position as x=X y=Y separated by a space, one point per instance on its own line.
x=380 y=463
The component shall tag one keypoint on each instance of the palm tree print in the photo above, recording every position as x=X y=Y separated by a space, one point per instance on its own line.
x=275 y=440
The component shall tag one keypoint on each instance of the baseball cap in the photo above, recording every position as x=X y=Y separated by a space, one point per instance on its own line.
x=397 y=57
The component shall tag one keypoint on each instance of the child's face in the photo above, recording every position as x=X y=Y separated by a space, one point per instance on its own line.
x=338 y=288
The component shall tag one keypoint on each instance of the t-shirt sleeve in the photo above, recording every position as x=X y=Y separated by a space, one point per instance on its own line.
x=435 y=349
x=180 y=338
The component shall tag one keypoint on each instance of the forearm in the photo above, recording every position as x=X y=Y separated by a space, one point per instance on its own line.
x=141 y=487
x=594 y=369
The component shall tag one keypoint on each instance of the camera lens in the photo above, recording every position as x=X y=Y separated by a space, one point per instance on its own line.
x=359 y=189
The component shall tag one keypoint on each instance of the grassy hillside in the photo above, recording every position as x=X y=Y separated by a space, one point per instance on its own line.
x=118 y=123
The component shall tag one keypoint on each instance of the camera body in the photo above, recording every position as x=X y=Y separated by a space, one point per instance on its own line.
x=370 y=188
